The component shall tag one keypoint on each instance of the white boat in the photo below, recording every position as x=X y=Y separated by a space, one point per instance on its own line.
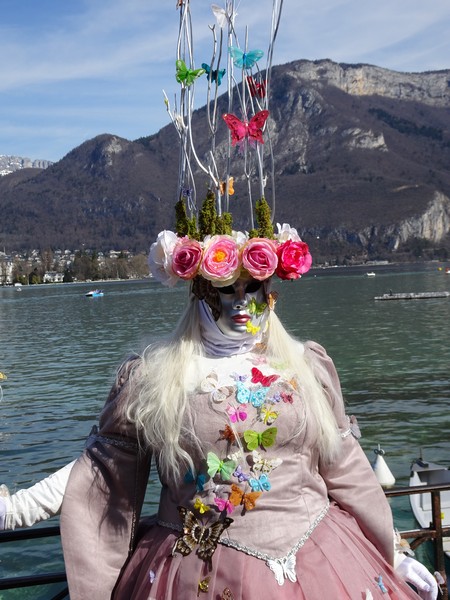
x=94 y=293
x=370 y=274
x=428 y=473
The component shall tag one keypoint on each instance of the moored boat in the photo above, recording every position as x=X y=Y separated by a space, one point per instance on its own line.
x=428 y=473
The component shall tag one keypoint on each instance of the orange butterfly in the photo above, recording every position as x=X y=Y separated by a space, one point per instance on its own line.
x=238 y=497
x=227 y=434
x=223 y=186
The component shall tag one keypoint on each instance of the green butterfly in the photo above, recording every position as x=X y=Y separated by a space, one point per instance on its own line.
x=225 y=468
x=185 y=75
x=265 y=439
x=255 y=308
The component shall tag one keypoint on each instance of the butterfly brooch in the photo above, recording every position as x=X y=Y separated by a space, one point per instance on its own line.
x=238 y=413
x=224 y=505
x=265 y=439
x=265 y=380
x=242 y=130
x=264 y=465
x=196 y=535
x=199 y=480
x=256 y=308
x=255 y=397
x=245 y=60
x=211 y=386
x=284 y=568
x=267 y=415
x=213 y=74
x=224 y=468
x=240 y=475
x=239 y=498
x=185 y=75
x=260 y=485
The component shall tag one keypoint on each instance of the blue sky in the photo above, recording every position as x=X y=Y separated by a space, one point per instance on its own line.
x=71 y=70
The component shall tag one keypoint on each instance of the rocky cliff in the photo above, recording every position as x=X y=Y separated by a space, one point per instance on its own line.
x=9 y=164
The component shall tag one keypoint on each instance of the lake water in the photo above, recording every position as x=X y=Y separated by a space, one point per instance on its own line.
x=59 y=350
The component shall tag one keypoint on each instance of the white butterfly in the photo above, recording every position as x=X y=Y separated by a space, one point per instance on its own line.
x=283 y=568
x=264 y=465
x=211 y=386
x=223 y=15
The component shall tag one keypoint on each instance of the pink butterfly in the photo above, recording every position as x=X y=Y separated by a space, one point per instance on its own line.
x=223 y=505
x=265 y=380
x=287 y=397
x=256 y=88
x=240 y=130
x=237 y=414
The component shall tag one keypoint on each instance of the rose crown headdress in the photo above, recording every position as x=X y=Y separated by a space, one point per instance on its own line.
x=204 y=242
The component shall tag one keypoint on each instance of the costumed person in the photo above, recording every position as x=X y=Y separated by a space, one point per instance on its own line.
x=266 y=491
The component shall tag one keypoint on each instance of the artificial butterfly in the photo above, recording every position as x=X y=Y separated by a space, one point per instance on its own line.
x=272 y=299
x=260 y=485
x=222 y=16
x=213 y=74
x=227 y=594
x=284 y=568
x=223 y=186
x=151 y=576
x=196 y=534
x=254 y=397
x=381 y=585
x=265 y=380
x=203 y=585
x=198 y=505
x=241 y=476
x=256 y=308
x=268 y=415
x=287 y=398
x=199 y=481
x=185 y=75
x=265 y=439
x=225 y=468
x=256 y=88
x=245 y=60
x=211 y=385
x=238 y=497
x=237 y=414
x=250 y=328
x=264 y=465
x=227 y=434
x=224 y=505
x=2 y=376
x=240 y=130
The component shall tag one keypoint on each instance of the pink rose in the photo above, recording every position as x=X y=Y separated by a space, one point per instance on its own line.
x=294 y=260
x=186 y=258
x=259 y=258
x=220 y=262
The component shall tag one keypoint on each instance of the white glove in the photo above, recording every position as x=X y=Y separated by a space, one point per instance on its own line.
x=2 y=514
x=413 y=572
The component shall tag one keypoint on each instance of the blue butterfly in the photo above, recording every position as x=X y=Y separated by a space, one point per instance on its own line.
x=260 y=485
x=255 y=397
x=245 y=60
x=199 y=481
x=214 y=75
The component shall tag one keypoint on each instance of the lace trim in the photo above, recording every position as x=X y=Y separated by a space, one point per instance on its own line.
x=103 y=439
x=255 y=553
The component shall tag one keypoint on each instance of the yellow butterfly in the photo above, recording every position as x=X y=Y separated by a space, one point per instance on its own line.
x=2 y=376
x=265 y=438
x=268 y=415
x=203 y=585
x=198 y=505
x=250 y=328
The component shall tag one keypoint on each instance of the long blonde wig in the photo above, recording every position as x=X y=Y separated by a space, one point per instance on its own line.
x=158 y=394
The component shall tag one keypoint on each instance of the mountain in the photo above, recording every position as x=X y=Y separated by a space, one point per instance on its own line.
x=362 y=159
x=9 y=164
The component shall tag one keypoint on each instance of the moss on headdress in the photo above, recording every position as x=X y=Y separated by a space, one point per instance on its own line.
x=264 y=220
x=183 y=224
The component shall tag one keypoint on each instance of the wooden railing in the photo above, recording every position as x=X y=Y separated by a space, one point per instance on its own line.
x=436 y=532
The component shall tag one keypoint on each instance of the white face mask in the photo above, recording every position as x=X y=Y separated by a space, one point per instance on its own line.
x=244 y=308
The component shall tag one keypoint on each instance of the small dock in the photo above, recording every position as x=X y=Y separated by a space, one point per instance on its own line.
x=412 y=296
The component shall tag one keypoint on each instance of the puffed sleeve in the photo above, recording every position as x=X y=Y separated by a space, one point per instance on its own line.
x=350 y=479
x=103 y=500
